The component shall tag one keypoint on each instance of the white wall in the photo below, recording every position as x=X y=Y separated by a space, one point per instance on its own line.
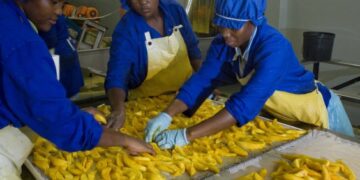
x=273 y=12
x=338 y=16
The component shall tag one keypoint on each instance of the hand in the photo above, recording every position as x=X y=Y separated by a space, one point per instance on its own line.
x=168 y=139
x=156 y=125
x=135 y=146
x=93 y=111
x=116 y=119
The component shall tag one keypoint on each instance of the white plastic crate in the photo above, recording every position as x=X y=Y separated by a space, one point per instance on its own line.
x=95 y=60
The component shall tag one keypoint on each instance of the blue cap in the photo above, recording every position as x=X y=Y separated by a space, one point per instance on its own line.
x=234 y=13
x=125 y=4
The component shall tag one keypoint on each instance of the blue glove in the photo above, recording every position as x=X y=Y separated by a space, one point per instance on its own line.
x=156 y=125
x=168 y=139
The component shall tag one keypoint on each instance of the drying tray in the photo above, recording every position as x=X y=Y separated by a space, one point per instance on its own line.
x=317 y=143
x=228 y=162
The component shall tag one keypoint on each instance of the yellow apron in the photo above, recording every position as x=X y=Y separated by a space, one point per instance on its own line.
x=14 y=149
x=308 y=108
x=168 y=65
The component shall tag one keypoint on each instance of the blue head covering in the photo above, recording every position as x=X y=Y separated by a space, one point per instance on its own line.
x=124 y=4
x=234 y=13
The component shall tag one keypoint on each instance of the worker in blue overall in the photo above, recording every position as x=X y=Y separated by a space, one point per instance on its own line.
x=31 y=95
x=154 y=51
x=251 y=52
x=59 y=41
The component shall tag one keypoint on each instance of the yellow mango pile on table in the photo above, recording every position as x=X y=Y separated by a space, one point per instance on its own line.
x=297 y=167
x=254 y=175
x=203 y=154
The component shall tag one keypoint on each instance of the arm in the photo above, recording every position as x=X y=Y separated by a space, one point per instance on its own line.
x=134 y=146
x=117 y=98
x=192 y=93
x=176 y=107
x=196 y=64
x=35 y=98
x=243 y=106
x=222 y=120
x=197 y=87
x=122 y=54
x=214 y=72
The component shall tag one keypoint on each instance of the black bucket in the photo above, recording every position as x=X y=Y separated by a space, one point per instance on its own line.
x=317 y=46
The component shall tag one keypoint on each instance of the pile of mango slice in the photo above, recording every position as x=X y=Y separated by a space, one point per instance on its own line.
x=203 y=154
x=303 y=167
x=297 y=166
x=260 y=175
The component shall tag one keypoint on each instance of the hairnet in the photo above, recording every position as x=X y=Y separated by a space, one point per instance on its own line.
x=234 y=13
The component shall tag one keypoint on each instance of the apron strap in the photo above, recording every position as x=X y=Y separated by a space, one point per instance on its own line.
x=175 y=28
x=148 y=38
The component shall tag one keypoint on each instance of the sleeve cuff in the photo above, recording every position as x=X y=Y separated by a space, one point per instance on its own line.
x=186 y=100
x=233 y=110
x=115 y=85
x=97 y=131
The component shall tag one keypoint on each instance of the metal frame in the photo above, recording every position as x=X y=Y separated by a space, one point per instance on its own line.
x=100 y=32
x=188 y=6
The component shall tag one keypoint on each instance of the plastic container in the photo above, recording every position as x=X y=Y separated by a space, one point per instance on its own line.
x=317 y=46
x=95 y=60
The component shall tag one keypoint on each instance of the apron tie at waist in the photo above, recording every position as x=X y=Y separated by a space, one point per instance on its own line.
x=325 y=93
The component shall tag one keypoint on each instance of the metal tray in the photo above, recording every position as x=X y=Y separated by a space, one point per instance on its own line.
x=228 y=163
x=317 y=143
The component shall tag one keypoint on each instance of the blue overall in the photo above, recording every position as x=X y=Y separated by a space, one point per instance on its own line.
x=271 y=64
x=70 y=71
x=127 y=67
x=30 y=94
x=276 y=69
